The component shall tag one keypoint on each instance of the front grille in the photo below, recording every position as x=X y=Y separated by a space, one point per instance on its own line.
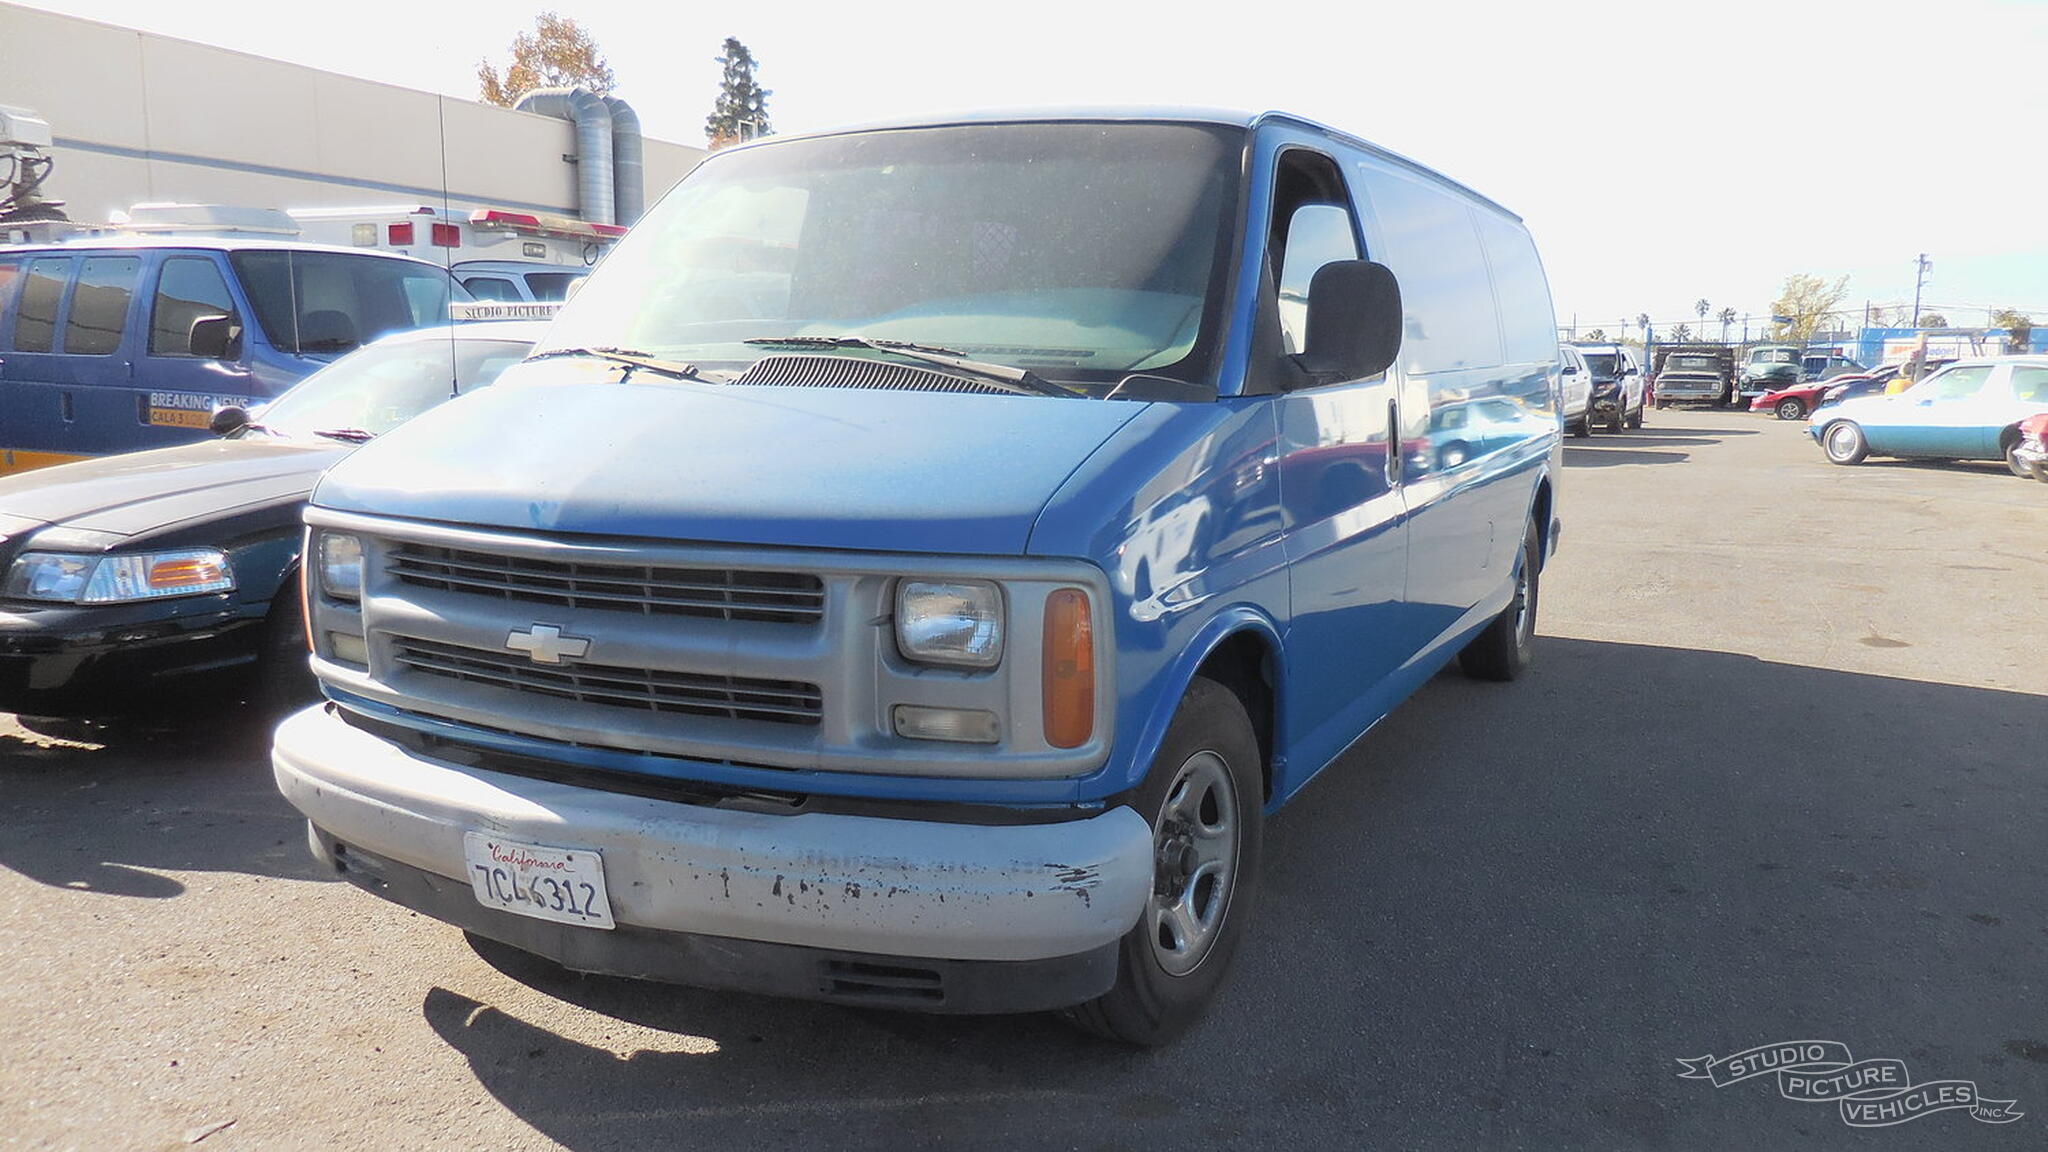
x=719 y=593
x=650 y=690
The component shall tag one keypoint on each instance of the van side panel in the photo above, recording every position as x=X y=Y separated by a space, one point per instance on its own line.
x=1478 y=389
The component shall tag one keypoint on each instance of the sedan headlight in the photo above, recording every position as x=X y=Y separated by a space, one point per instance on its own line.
x=66 y=578
x=341 y=565
x=956 y=622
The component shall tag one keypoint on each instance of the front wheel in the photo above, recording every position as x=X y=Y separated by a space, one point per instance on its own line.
x=1583 y=427
x=1790 y=410
x=1501 y=652
x=284 y=673
x=1205 y=798
x=1844 y=443
x=1636 y=421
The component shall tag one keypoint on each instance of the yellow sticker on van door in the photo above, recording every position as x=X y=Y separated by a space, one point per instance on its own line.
x=188 y=409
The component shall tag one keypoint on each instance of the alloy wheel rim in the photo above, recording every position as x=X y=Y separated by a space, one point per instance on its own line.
x=1195 y=842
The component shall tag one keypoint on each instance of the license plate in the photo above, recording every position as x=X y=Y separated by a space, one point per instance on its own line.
x=561 y=884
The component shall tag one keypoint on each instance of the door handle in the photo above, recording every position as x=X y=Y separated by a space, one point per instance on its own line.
x=1394 y=465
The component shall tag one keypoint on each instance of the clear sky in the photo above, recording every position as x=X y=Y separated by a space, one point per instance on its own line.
x=1661 y=153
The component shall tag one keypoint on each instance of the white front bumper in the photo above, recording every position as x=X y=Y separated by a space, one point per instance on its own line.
x=854 y=883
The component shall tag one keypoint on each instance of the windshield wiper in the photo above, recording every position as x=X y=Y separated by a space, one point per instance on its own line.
x=633 y=361
x=1022 y=381
x=349 y=435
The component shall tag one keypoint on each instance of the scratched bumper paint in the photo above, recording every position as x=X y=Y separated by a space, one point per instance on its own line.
x=856 y=883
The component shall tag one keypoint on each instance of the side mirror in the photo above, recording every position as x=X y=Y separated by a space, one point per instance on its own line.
x=1571 y=369
x=232 y=418
x=212 y=337
x=1354 y=321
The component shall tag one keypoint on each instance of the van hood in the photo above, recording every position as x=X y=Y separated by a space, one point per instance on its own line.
x=937 y=472
x=138 y=493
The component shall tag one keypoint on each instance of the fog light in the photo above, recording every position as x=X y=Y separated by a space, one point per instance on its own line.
x=348 y=648
x=961 y=725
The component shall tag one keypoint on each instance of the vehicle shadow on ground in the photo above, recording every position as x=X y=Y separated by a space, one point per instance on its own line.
x=108 y=809
x=1497 y=921
x=1653 y=427
x=1588 y=456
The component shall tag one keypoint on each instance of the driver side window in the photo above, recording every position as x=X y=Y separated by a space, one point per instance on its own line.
x=1954 y=384
x=1319 y=234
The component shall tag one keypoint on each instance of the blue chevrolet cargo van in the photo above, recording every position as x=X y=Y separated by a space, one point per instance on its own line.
x=921 y=557
x=113 y=344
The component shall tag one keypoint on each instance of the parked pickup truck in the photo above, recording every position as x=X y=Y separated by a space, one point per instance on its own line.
x=1695 y=374
x=994 y=521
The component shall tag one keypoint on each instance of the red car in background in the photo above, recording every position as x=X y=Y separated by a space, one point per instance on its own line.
x=2030 y=456
x=1795 y=402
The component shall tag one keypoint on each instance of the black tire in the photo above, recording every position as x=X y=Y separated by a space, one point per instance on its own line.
x=1619 y=420
x=1583 y=428
x=1151 y=1004
x=1636 y=421
x=284 y=675
x=1843 y=443
x=1790 y=408
x=1501 y=652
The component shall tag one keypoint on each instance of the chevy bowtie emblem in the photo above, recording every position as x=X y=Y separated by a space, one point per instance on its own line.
x=546 y=644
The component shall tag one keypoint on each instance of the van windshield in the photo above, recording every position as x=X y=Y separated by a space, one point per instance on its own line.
x=1082 y=251
x=321 y=303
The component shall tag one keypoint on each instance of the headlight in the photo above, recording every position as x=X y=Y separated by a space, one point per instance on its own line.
x=341 y=565
x=957 y=622
x=118 y=578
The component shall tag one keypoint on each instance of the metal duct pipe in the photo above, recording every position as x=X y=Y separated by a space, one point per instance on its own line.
x=593 y=120
x=629 y=176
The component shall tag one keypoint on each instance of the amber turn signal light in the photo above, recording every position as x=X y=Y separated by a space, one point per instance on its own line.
x=1068 y=690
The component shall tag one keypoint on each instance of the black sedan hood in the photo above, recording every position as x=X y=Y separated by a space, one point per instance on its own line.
x=141 y=492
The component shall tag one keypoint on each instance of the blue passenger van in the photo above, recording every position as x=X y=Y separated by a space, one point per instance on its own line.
x=115 y=345
x=916 y=563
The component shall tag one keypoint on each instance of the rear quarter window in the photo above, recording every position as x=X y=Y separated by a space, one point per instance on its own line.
x=2030 y=384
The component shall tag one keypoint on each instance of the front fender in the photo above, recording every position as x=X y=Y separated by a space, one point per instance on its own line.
x=1163 y=695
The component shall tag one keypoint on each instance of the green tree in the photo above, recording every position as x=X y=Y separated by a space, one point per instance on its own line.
x=1806 y=301
x=1726 y=317
x=1681 y=334
x=558 y=53
x=2019 y=328
x=1933 y=320
x=1597 y=336
x=741 y=111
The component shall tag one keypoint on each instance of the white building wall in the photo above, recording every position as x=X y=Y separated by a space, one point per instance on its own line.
x=139 y=117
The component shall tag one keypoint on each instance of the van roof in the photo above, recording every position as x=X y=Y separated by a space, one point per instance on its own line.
x=1163 y=114
x=205 y=243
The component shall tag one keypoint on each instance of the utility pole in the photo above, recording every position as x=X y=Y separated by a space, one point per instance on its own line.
x=1920 y=269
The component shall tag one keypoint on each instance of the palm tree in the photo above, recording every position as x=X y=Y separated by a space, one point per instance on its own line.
x=1699 y=308
x=1726 y=317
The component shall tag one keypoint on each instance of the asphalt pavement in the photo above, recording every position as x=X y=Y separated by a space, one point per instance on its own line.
x=1780 y=773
